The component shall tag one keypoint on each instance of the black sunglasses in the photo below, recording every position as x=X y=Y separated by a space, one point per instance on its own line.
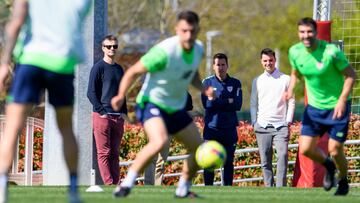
x=113 y=46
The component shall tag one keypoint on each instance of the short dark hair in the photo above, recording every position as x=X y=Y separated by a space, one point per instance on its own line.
x=220 y=56
x=308 y=21
x=109 y=37
x=189 y=16
x=268 y=52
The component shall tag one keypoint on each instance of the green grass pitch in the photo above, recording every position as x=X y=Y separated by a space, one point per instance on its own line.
x=216 y=194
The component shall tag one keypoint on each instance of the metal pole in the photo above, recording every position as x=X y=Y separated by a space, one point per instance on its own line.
x=208 y=55
x=29 y=144
x=277 y=56
x=209 y=36
x=322 y=10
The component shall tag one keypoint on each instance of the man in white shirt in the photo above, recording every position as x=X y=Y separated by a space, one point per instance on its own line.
x=271 y=114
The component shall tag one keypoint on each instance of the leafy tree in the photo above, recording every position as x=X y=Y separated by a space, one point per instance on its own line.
x=4 y=13
x=345 y=26
x=247 y=27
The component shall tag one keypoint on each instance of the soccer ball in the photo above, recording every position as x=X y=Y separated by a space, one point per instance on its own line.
x=210 y=155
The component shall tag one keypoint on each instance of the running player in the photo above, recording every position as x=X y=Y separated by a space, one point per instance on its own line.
x=170 y=66
x=328 y=79
x=46 y=52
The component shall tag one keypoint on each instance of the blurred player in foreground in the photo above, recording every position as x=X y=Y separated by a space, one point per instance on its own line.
x=328 y=79
x=46 y=39
x=170 y=67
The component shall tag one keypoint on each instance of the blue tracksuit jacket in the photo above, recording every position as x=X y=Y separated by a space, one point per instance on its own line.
x=220 y=113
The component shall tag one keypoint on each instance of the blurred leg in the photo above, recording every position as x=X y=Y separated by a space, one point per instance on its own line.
x=154 y=172
x=156 y=131
x=336 y=151
x=149 y=172
x=307 y=147
x=160 y=163
x=15 y=117
x=191 y=139
x=70 y=147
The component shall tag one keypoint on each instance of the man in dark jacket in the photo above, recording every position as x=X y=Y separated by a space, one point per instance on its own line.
x=220 y=114
x=108 y=124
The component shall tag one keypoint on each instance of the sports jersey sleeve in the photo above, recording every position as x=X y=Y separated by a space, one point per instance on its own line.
x=155 y=59
x=340 y=60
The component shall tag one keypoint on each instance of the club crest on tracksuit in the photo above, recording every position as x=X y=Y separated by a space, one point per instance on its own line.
x=229 y=88
x=319 y=65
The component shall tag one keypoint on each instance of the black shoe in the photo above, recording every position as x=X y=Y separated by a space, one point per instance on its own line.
x=343 y=187
x=121 y=192
x=190 y=195
x=329 y=179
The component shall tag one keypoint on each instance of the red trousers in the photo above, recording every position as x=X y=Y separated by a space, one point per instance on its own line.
x=108 y=133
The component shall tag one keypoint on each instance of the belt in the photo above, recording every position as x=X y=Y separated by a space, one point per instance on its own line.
x=114 y=115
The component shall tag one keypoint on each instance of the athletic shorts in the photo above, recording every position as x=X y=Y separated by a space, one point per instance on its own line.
x=174 y=122
x=29 y=83
x=317 y=122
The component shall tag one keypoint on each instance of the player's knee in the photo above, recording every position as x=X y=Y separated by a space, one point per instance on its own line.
x=334 y=152
x=158 y=144
x=335 y=149
x=306 y=151
x=193 y=147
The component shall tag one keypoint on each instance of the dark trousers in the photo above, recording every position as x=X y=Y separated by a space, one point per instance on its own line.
x=228 y=138
x=108 y=133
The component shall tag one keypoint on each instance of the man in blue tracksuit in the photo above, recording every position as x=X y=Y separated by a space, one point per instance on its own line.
x=220 y=114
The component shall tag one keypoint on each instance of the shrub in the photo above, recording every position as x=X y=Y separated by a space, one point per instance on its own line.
x=37 y=150
x=134 y=139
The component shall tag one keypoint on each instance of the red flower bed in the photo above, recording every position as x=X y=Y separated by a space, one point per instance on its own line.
x=134 y=139
x=37 y=150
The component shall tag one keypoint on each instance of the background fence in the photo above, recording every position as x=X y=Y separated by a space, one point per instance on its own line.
x=353 y=169
x=346 y=27
x=23 y=171
x=26 y=168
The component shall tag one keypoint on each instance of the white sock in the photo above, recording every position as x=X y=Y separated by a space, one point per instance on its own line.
x=3 y=180
x=3 y=187
x=129 y=179
x=183 y=187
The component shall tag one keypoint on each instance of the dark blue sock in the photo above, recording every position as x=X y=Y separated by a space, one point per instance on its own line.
x=73 y=182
